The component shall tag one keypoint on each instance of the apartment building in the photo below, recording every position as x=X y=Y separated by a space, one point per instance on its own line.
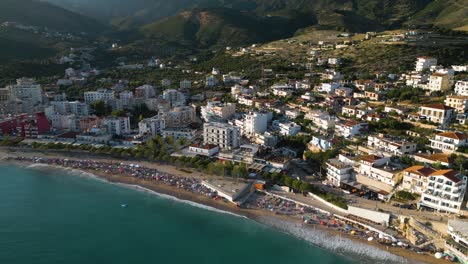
x=339 y=170
x=391 y=145
x=99 y=95
x=445 y=191
x=223 y=135
x=423 y=63
x=458 y=102
x=415 y=178
x=437 y=113
x=286 y=128
x=461 y=88
x=449 y=141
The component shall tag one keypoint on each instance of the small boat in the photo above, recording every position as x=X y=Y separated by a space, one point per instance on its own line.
x=123 y=205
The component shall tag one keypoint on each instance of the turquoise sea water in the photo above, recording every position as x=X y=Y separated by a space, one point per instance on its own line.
x=49 y=216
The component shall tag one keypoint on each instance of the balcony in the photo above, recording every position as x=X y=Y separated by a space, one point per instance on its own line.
x=457 y=248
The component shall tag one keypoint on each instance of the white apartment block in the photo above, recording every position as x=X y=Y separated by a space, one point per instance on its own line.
x=416 y=79
x=351 y=129
x=223 y=135
x=145 y=91
x=255 y=123
x=423 y=63
x=99 y=95
x=445 y=191
x=380 y=170
x=390 y=146
x=174 y=97
x=339 y=170
x=266 y=139
x=415 y=178
x=458 y=242
x=66 y=107
x=461 y=88
x=437 y=113
x=28 y=92
x=286 y=128
x=118 y=125
x=217 y=111
x=179 y=133
x=449 y=141
x=328 y=87
x=459 y=102
x=150 y=127
x=438 y=82
x=321 y=119
x=179 y=117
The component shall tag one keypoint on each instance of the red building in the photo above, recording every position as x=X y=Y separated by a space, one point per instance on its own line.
x=25 y=126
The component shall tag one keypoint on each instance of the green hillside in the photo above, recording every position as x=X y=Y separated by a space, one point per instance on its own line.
x=33 y=12
x=450 y=14
x=222 y=26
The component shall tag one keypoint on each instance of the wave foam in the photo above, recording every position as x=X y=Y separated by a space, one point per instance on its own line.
x=336 y=244
x=173 y=198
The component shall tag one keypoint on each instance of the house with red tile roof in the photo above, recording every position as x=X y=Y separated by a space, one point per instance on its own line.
x=445 y=191
x=449 y=142
x=437 y=113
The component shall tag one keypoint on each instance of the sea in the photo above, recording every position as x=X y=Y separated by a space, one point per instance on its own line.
x=50 y=215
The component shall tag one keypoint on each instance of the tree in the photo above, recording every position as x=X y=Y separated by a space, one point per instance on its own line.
x=100 y=108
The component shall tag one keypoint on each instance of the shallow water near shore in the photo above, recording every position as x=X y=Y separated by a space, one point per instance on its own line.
x=46 y=216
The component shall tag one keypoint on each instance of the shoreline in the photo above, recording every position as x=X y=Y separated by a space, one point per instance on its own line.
x=278 y=222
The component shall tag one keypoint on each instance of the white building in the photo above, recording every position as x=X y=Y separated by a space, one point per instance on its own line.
x=339 y=170
x=28 y=92
x=438 y=82
x=351 y=129
x=204 y=150
x=174 y=97
x=449 y=141
x=145 y=91
x=328 y=87
x=391 y=146
x=99 y=95
x=461 y=88
x=66 y=107
x=378 y=172
x=178 y=133
x=286 y=128
x=118 y=125
x=415 y=178
x=321 y=119
x=255 y=123
x=179 y=117
x=437 y=113
x=423 y=63
x=150 y=127
x=224 y=135
x=217 y=111
x=458 y=242
x=459 y=102
x=445 y=191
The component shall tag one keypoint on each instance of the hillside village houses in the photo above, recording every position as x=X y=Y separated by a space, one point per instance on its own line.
x=276 y=125
x=461 y=88
x=437 y=113
x=449 y=141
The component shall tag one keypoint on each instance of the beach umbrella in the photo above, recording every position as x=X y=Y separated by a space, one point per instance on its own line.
x=400 y=243
x=370 y=239
x=381 y=236
x=438 y=255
